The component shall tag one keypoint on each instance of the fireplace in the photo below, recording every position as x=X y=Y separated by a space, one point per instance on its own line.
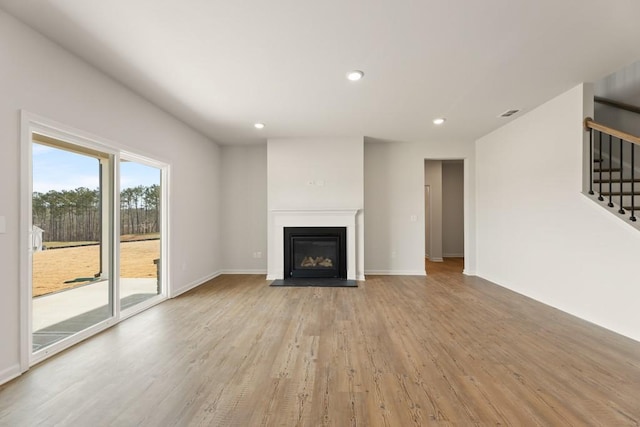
x=315 y=252
x=351 y=219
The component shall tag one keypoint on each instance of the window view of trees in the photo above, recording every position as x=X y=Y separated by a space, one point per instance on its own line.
x=74 y=215
x=139 y=210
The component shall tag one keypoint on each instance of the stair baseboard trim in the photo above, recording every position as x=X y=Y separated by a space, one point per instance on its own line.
x=608 y=212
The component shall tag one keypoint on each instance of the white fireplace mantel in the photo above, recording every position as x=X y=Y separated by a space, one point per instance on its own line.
x=281 y=218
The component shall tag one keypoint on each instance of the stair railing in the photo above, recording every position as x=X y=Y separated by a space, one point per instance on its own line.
x=626 y=141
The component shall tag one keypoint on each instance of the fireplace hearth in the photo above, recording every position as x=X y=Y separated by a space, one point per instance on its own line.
x=315 y=252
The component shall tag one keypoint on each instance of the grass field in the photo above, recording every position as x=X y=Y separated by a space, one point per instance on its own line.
x=51 y=268
x=123 y=238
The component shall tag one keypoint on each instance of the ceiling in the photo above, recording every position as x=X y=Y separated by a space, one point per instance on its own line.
x=221 y=66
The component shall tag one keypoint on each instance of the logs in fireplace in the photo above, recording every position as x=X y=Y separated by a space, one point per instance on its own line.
x=315 y=252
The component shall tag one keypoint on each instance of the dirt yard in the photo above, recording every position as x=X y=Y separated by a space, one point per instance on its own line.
x=51 y=268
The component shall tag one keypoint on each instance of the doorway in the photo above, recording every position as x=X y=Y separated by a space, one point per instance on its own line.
x=444 y=214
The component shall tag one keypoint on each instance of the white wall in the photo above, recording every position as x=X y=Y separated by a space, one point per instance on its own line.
x=244 y=209
x=433 y=178
x=394 y=196
x=312 y=173
x=40 y=77
x=316 y=174
x=452 y=208
x=393 y=193
x=538 y=235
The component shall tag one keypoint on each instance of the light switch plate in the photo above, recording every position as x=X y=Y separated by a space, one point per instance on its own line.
x=3 y=224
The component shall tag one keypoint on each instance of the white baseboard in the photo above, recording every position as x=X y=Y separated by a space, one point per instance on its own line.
x=456 y=255
x=468 y=272
x=554 y=304
x=243 y=272
x=395 y=272
x=195 y=284
x=10 y=373
x=436 y=259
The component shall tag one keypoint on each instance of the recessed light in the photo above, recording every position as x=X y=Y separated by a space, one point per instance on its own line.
x=439 y=121
x=355 y=75
x=258 y=125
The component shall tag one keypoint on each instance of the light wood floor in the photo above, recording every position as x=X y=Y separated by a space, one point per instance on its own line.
x=448 y=266
x=396 y=351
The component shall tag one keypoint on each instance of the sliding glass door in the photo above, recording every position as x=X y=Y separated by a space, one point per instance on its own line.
x=71 y=240
x=140 y=233
x=94 y=248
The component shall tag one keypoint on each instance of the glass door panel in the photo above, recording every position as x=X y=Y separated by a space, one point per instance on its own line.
x=140 y=229
x=71 y=286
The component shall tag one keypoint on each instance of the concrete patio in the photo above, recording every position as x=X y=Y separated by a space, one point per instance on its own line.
x=60 y=314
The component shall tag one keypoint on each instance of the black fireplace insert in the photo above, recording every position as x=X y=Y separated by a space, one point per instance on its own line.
x=315 y=252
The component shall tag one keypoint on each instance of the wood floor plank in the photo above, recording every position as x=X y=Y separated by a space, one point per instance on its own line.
x=440 y=350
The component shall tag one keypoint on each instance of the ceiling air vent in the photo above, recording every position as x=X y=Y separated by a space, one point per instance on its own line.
x=509 y=113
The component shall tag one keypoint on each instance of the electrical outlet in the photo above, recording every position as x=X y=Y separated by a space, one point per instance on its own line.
x=258 y=254
x=393 y=254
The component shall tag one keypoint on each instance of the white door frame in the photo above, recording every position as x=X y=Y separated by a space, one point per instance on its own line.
x=466 y=208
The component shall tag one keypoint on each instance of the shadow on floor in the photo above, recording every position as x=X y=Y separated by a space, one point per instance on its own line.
x=61 y=330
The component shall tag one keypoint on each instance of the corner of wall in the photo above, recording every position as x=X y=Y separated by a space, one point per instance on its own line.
x=194 y=284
